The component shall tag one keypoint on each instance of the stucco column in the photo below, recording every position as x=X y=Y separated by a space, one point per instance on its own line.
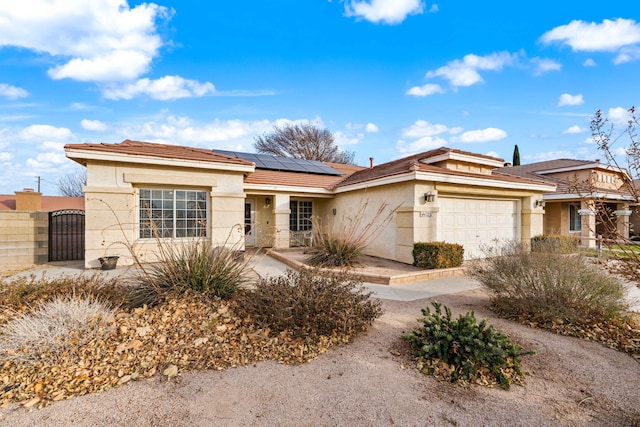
x=531 y=218
x=281 y=212
x=588 y=224
x=414 y=224
x=622 y=220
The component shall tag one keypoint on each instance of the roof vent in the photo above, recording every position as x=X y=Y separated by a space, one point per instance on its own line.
x=370 y=162
x=507 y=165
x=27 y=190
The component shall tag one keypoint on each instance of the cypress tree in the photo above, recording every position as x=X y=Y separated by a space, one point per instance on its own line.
x=516 y=156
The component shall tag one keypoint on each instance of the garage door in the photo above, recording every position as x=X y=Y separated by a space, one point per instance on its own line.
x=472 y=222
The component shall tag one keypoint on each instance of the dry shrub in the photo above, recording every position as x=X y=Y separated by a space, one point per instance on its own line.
x=20 y=293
x=340 y=243
x=54 y=329
x=548 y=286
x=196 y=265
x=309 y=305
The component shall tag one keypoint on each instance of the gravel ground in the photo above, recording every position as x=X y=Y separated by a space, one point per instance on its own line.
x=569 y=382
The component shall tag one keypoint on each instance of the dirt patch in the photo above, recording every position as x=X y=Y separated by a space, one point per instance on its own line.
x=369 y=382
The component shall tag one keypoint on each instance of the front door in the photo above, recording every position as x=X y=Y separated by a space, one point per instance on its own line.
x=250 y=222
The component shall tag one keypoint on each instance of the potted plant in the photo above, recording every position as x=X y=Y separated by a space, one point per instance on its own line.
x=108 y=262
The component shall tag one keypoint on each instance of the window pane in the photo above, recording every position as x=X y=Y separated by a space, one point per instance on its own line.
x=163 y=213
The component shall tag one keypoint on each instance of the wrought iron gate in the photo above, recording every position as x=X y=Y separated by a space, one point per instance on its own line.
x=66 y=235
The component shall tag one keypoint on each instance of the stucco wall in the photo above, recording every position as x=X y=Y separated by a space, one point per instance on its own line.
x=24 y=238
x=111 y=197
x=356 y=209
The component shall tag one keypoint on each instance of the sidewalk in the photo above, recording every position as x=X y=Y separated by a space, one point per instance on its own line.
x=266 y=266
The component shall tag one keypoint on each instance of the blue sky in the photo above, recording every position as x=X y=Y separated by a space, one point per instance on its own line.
x=388 y=77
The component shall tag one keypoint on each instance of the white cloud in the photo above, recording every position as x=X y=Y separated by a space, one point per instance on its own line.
x=621 y=35
x=45 y=132
x=567 y=99
x=427 y=136
x=627 y=54
x=573 y=130
x=367 y=127
x=422 y=144
x=480 y=135
x=100 y=40
x=96 y=125
x=165 y=88
x=12 y=92
x=465 y=72
x=422 y=128
x=589 y=63
x=385 y=11
x=544 y=65
x=224 y=134
x=371 y=128
x=618 y=116
x=434 y=8
x=425 y=90
x=342 y=139
x=5 y=157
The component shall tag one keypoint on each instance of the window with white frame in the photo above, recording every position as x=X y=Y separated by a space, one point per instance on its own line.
x=300 y=217
x=169 y=213
x=574 y=218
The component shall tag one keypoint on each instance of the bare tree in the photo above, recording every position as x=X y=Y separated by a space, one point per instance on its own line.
x=302 y=141
x=606 y=136
x=71 y=184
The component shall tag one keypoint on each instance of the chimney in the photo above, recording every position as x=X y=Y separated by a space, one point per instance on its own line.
x=370 y=162
x=28 y=200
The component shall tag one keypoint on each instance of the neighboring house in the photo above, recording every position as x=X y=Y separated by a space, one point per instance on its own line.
x=26 y=235
x=582 y=186
x=136 y=190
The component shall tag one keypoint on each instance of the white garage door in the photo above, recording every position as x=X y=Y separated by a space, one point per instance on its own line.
x=472 y=222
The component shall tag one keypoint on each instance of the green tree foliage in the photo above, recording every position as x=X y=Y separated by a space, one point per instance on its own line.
x=516 y=156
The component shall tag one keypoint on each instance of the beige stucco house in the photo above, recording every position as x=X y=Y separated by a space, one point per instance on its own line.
x=583 y=188
x=138 y=189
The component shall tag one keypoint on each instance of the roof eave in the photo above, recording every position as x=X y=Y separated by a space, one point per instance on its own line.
x=81 y=156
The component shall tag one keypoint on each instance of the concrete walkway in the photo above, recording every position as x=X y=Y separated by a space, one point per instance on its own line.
x=267 y=266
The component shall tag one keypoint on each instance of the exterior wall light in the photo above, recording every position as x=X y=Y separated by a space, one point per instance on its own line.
x=429 y=197
x=334 y=211
x=540 y=203
x=267 y=201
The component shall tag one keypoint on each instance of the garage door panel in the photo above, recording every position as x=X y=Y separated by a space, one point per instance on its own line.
x=473 y=222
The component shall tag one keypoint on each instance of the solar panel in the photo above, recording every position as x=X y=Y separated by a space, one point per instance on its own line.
x=266 y=161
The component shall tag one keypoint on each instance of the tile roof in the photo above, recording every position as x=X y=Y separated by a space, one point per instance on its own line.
x=563 y=186
x=531 y=169
x=412 y=163
x=49 y=203
x=151 y=149
x=298 y=179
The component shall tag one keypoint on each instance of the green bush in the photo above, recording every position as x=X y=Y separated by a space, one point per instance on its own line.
x=437 y=255
x=547 y=286
x=191 y=266
x=309 y=305
x=554 y=243
x=468 y=349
